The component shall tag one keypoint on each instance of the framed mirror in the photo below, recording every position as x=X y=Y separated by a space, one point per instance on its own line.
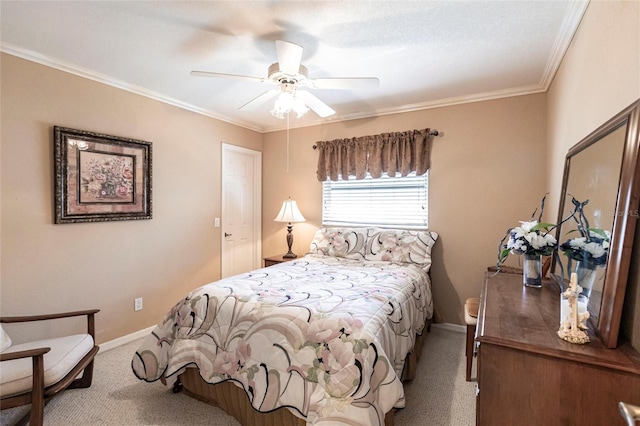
x=602 y=174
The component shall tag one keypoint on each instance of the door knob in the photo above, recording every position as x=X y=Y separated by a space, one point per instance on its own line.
x=630 y=413
x=227 y=235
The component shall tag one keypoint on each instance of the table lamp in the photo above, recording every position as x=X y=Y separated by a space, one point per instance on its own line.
x=289 y=213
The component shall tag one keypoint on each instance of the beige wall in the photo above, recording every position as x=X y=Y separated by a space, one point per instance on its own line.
x=599 y=76
x=487 y=173
x=47 y=267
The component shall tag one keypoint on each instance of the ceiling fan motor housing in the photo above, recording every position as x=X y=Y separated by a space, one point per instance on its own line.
x=276 y=76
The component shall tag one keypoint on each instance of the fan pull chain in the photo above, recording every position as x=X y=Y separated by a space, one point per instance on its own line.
x=287 y=142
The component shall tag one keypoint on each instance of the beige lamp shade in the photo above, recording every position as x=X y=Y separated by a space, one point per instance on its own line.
x=289 y=212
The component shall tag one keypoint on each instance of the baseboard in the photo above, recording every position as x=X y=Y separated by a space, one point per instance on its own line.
x=112 y=344
x=451 y=327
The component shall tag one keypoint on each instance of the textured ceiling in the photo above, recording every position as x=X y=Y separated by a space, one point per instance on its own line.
x=425 y=53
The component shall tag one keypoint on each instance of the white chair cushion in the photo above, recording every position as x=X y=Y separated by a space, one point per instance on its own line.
x=66 y=352
x=5 y=340
x=471 y=307
x=469 y=319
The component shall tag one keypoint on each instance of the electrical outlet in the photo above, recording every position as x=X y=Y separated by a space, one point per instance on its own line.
x=137 y=304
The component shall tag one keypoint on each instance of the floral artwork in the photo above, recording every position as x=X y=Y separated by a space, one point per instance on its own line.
x=101 y=177
x=324 y=336
x=106 y=178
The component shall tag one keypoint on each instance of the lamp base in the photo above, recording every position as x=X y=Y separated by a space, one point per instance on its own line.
x=290 y=254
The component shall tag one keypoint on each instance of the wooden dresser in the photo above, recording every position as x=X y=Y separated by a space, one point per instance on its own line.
x=527 y=375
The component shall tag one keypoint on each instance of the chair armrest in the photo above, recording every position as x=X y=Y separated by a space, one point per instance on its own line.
x=24 y=354
x=36 y=392
x=48 y=316
x=89 y=313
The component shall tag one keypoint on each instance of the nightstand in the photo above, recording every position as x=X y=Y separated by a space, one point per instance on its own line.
x=274 y=260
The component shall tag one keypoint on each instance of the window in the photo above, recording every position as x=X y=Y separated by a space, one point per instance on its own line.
x=388 y=202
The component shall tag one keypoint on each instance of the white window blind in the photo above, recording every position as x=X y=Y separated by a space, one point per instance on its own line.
x=388 y=202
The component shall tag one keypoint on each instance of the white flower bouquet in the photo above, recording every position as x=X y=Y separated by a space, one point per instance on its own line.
x=531 y=238
x=592 y=248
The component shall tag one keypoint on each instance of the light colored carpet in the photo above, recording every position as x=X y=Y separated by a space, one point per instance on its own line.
x=439 y=395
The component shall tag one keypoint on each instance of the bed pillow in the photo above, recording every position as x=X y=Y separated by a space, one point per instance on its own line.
x=399 y=245
x=340 y=242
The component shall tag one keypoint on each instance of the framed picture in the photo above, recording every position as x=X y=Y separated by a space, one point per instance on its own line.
x=100 y=177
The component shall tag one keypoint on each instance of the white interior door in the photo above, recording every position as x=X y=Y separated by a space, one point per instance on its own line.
x=241 y=209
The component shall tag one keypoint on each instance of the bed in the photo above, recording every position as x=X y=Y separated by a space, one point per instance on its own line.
x=324 y=339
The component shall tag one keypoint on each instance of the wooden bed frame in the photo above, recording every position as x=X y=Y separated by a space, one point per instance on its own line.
x=234 y=401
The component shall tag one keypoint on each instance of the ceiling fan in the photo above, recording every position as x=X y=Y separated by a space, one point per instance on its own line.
x=290 y=75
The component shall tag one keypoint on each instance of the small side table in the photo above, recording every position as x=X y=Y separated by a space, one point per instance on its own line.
x=274 y=260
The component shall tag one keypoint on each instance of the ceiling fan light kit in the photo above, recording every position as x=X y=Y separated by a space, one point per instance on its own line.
x=290 y=74
x=288 y=101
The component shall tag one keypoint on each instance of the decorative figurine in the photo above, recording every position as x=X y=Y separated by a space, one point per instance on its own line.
x=573 y=325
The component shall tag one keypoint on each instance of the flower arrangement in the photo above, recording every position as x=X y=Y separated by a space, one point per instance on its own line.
x=592 y=248
x=530 y=238
x=593 y=245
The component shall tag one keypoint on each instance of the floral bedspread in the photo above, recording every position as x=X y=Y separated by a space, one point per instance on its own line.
x=325 y=337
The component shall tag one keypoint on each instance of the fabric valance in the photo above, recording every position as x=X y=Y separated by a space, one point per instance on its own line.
x=403 y=152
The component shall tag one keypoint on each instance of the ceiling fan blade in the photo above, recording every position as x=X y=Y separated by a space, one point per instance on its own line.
x=344 y=83
x=289 y=57
x=319 y=107
x=256 y=102
x=222 y=75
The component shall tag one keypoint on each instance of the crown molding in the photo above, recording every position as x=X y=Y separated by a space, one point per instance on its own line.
x=563 y=40
x=437 y=103
x=70 y=68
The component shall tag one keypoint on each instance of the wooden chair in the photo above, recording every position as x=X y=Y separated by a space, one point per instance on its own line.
x=471 y=319
x=55 y=364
